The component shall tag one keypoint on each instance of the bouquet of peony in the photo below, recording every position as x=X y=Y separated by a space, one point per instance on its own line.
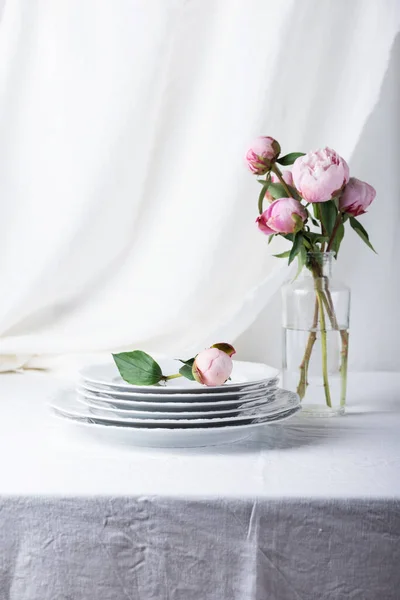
x=310 y=206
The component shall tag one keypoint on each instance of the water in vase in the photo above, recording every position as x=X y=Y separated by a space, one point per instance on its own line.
x=315 y=399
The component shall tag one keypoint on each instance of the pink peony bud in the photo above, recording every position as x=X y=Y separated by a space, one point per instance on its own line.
x=320 y=175
x=287 y=178
x=212 y=367
x=264 y=150
x=356 y=197
x=280 y=217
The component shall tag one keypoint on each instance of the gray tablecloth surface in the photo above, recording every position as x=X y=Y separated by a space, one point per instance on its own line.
x=148 y=548
x=304 y=512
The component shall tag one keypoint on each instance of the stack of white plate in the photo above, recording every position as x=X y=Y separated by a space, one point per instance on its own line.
x=179 y=412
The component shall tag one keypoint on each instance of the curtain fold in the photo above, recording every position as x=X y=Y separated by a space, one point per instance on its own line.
x=127 y=211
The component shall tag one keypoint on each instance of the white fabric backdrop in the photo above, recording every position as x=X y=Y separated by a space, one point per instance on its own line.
x=127 y=214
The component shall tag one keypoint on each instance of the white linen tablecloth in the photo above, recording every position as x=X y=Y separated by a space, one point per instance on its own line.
x=309 y=509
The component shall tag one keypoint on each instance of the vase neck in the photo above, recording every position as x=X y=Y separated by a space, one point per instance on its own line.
x=319 y=264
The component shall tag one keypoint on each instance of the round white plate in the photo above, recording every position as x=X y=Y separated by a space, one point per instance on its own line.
x=240 y=402
x=67 y=405
x=166 y=438
x=101 y=409
x=244 y=375
x=254 y=393
x=153 y=394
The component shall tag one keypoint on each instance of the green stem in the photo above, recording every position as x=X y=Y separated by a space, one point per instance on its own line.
x=303 y=381
x=317 y=215
x=324 y=300
x=324 y=349
x=167 y=377
x=328 y=302
x=343 y=367
x=329 y=309
x=334 y=231
x=278 y=173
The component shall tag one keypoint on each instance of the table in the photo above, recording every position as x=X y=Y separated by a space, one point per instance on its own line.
x=307 y=510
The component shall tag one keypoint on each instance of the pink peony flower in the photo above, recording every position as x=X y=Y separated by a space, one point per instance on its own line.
x=279 y=217
x=212 y=367
x=320 y=175
x=287 y=178
x=264 y=150
x=356 y=197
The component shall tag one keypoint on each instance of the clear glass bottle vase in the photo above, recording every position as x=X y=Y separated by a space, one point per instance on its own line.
x=315 y=321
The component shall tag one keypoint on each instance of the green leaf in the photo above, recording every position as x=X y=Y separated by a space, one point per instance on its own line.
x=277 y=191
x=297 y=244
x=262 y=196
x=225 y=347
x=315 y=238
x=289 y=159
x=302 y=259
x=298 y=221
x=138 y=367
x=313 y=221
x=328 y=215
x=188 y=362
x=262 y=181
x=186 y=371
x=270 y=238
x=289 y=236
x=338 y=239
x=282 y=254
x=358 y=228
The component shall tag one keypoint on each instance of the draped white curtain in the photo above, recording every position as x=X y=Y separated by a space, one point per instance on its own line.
x=127 y=215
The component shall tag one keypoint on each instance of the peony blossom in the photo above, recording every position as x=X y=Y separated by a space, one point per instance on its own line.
x=287 y=178
x=280 y=217
x=356 y=197
x=212 y=367
x=263 y=151
x=320 y=175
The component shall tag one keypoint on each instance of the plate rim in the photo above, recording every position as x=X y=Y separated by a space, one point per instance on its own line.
x=165 y=390
x=171 y=404
x=131 y=422
x=208 y=413
x=257 y=389
x=171 y=431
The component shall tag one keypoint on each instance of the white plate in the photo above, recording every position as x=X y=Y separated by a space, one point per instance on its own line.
x=240 y=402
x=153 y=394
x=102 y=409
x=244 y=375
x=67 y=405
x=167 y=438
x=177 y=398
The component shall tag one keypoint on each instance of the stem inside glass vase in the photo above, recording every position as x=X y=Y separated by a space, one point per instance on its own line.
x=324 y=307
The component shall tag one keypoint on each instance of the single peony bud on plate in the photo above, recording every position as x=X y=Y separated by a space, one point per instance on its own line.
x=282 y=216
x=287 y=178
x=356 y=197
x=212 y=367
x=263 y=151
x=320 y=175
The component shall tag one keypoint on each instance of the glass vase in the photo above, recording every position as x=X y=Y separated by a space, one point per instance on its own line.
x=315 y=321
